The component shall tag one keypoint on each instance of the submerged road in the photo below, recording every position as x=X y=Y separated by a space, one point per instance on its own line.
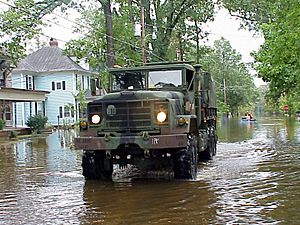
x=254 y=179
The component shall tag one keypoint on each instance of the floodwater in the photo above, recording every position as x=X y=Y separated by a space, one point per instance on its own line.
x=254 y=179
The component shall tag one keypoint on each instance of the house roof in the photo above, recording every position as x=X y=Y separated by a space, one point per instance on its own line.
x=22 y=95
x=48 y=59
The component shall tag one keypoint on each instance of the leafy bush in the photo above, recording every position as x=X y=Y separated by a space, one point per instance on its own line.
x=2 y=124
x=12 y=134
x=37 y=123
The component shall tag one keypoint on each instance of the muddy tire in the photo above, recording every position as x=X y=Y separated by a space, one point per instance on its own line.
x=185 y=163
x=95 y=166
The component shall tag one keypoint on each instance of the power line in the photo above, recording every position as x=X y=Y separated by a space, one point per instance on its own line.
x=71 y=29
x=116 y=39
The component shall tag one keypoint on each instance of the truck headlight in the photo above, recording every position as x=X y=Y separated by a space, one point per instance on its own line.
x=161 y=117
x=96 y=119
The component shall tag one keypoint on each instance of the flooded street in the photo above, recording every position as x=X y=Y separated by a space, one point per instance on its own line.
x=254 y=179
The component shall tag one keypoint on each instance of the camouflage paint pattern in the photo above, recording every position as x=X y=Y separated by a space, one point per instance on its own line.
x=128 y=117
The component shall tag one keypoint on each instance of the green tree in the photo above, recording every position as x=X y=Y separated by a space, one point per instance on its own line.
x=277 y=61
x=171 y=24
x=166 y=24
x=93 y=46
x=235 y=86
x=37 y=123
x=252 y=12
x=22 y=22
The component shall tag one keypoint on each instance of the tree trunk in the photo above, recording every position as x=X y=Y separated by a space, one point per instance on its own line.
x=110 y=57
x=148 y=25
x=180 y=50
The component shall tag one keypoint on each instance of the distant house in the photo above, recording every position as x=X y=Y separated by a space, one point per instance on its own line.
x=9 y=96
x=48 y=69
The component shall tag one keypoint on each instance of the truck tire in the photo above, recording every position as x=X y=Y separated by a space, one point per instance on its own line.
x=185 y=163
x=211 y=148
x=95 y=166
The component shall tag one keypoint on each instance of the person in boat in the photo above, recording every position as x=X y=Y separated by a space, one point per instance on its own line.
x=248 y=116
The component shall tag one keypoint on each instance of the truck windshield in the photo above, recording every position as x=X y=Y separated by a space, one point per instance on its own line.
x=163 y=79
x=128 y=80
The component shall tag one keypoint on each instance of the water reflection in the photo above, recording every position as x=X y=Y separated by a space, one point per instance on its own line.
x=149 y=202
x=233 y=130
x=265 y=187
x=254 y=179
x=40 y=182
x=236 y=130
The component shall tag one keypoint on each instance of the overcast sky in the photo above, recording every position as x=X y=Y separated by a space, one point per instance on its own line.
x=241 y=40
x=229 y=27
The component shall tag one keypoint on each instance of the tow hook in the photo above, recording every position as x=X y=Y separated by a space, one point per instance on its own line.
x=145 y=135
x=107 y=137
x=146 y=153
x=108 y=154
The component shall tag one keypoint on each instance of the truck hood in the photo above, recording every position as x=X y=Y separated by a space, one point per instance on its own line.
x=139 y=95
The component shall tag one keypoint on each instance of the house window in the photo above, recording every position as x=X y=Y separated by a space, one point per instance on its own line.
x=7 y=116
x=76 y=81
x=72 y=112
x=2 y=83
x=82 y=82
x=7 y=113
x=60 y=85
x=29 y=82
x=2 y=74
x=88 y=83
x=36 y=108
x=30 y=108
x=67 y=111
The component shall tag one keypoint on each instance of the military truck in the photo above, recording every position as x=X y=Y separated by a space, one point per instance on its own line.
x=157 y=116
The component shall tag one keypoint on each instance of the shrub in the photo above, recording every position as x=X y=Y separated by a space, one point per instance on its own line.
x=12 y=134
x=2 y=124
x=37 y=123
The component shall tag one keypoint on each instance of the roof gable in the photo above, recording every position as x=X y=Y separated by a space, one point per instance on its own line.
x=48 y=59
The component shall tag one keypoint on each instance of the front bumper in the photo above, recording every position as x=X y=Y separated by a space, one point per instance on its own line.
x=151 y=142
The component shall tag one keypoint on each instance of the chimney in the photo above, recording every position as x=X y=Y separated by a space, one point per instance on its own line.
x=53 y=42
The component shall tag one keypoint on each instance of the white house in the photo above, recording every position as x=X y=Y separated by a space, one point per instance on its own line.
x=9 y=95
x=48 y=69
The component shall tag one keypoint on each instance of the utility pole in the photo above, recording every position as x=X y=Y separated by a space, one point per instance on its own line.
x=197 y=41
x=224 y=78
x=144 y=60
x=224 y=87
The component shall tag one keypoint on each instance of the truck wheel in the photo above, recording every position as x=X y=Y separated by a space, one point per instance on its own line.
x=210 y=150
x=185 y=163
x=214 y=146
x=95 y=166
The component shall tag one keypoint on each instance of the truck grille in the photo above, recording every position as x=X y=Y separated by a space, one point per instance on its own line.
x=130 y=115
x=134 y=115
